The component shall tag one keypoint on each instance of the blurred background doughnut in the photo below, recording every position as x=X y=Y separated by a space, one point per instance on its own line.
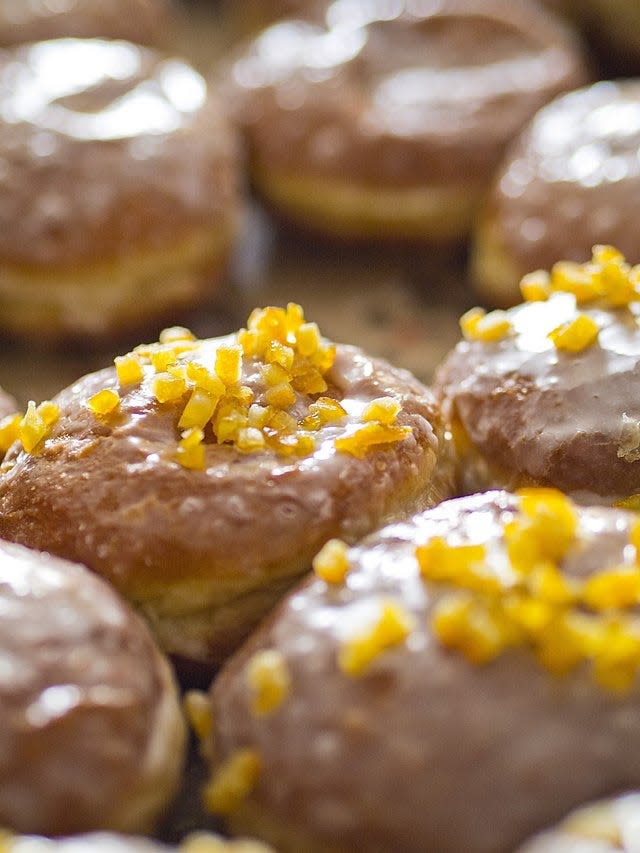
x=91 y=730
x=571 y=181
x=119 y=188
x=200 y=477
x=141 y=21
x=437 y=695
x=7 y=404
x=609 y=826
x=390 y=120
x=545 y=393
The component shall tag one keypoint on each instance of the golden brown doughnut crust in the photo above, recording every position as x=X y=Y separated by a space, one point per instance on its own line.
x=568 y=184
x=141 y=21
x=205 y=553
x=91 y=731
x=426 y=96
x=424 y=750
x=532 y=414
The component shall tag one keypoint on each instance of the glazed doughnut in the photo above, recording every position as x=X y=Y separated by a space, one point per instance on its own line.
x=119 y=187
x=391 y=124
x=569 y=183
x=545 y=393
x=609 y=826
x=206 y=474
x=141 y=21
x=92 y=733
x=105 y=843
x=467 y=678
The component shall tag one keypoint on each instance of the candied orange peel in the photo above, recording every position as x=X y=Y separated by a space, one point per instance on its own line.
x=269 y=681
x=37 y=423
x=575 y=335
x=392 y=627
x=289 y=358
x=331 y=563
x=477 y=325
x=233 y=782
x=606 y=277
x=566 y=620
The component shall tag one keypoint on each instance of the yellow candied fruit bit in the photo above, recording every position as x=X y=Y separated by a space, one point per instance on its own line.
x=36 y=424
x=477 y=325
x=228 y=365
x=204 y=378
x=9 y=431
x=617 y=284
x=104 y=402
x=576 y=335
x=606 y=254
x=233 y=782
x=294 y=319
x=49 y=412
x=129 y=369
x=617 y=588
x=569 y=277
x=253 y=342
x=528 y=614
x=231 y=416
x=277 y=353
x=384 y=410
x=549 y=585
x=440 y=561
x=269 y=681
x=311 y=382
x=274 y=374
x=331 y=563
x=327 y=410
x=199 y=410
x=166 y=387
x=559 y=648
x=391 y=629
x=250 y=440
x=280 y=396
x=197 y=708
x=280 y=421
x=551 y=519
x=324 y=358
x=308 y=339
x=466 y=626
x=190 y=452
x=272 y=321
x=536 y=286
x=616 y=657
x=176 y=334
x=305 y=444
x=370 y=435
x=162 y=359
x=258 y=416
x=242 y=393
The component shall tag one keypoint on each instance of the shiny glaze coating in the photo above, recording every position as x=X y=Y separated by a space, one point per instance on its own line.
x=610 y=826
x=538 y=415
x=107 y=150
x=400 y=95
x=213 y=548
x=141 y=21
x=91 y=729
x=570 y=182
x=425 y=751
